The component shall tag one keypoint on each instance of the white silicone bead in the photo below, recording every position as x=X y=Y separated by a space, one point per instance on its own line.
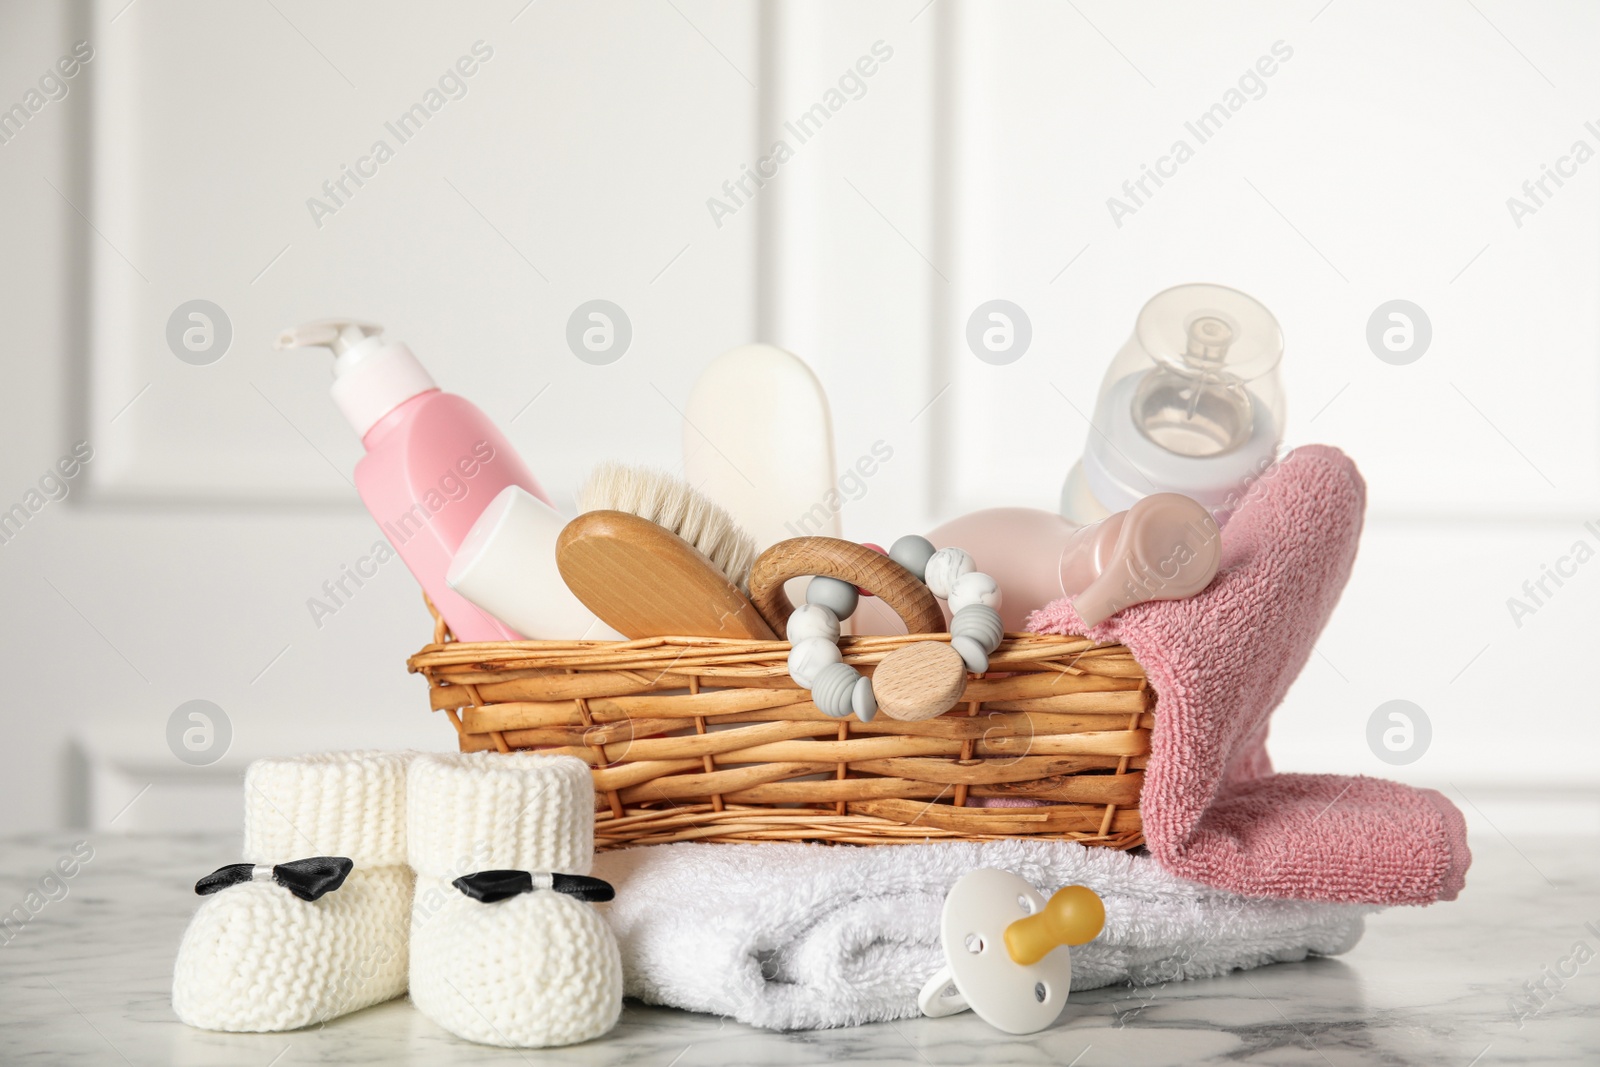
x=912 y=552
x=863 y=701
x=809 y=657
x=812 y=620
x=982 y=624
x=838 y=597
x=972 y=654
x=975 y=587
x=834 y=689
x=944 y=567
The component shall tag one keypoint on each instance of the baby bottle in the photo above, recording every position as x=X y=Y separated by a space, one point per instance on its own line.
x=1192 y=404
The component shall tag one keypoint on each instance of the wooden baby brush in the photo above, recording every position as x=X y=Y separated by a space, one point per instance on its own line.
x=651 y=557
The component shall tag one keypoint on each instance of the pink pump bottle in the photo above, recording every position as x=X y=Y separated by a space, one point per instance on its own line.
x=433 y=462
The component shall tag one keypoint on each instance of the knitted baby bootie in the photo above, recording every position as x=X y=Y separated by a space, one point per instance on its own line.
x=505 y=949
x=316 y=922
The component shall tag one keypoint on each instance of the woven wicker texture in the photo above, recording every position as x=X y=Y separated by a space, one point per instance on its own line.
x=708 y=739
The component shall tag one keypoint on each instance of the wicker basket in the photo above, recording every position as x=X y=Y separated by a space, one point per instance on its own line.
x=708 y=739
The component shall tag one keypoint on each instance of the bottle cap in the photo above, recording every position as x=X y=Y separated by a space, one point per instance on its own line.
x=371 y=376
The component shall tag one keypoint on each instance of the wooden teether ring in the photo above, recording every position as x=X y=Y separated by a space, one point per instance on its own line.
x=859 y=565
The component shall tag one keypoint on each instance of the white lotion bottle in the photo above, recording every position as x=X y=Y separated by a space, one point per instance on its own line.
x=507 y=566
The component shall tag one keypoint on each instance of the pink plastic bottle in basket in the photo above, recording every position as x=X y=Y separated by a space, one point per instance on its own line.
x=433 y=462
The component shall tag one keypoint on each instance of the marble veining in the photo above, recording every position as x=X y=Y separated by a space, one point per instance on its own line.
x=87 y=980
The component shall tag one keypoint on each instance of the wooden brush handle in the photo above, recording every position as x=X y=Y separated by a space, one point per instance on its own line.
x=645 y=581
x=848 y=562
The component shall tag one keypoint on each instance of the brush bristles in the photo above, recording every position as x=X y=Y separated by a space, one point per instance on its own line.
x=675 y=505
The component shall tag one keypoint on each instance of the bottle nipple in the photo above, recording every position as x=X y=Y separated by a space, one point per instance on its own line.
x=1209 y=339
x=1165 y=547
x=1192 y=405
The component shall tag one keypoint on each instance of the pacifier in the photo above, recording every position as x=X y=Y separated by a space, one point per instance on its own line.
x=1006 y=950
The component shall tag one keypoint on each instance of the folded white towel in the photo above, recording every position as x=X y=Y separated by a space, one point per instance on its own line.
x=789 y=936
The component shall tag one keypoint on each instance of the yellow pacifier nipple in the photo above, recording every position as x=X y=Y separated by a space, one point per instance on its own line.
x=1073 y=916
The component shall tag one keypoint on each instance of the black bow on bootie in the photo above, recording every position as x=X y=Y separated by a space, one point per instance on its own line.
x=307 y=879
x=492 y=886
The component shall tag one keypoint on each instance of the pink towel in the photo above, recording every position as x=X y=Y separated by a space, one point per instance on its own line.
x=1220 y=662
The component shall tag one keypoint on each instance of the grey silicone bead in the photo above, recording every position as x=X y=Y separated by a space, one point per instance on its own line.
x=972 y=654
x=833 y=689
x=863 y=700
x=838 y=597
x=981 y=623
x=912 y=553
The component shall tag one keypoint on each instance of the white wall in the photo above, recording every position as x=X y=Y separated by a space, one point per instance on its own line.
x=217 y=501
x=976 y=163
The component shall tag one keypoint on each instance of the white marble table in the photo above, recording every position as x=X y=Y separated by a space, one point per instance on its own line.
x=87 y=981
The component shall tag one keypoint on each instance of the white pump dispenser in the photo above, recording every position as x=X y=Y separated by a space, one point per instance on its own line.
x=371 y=376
